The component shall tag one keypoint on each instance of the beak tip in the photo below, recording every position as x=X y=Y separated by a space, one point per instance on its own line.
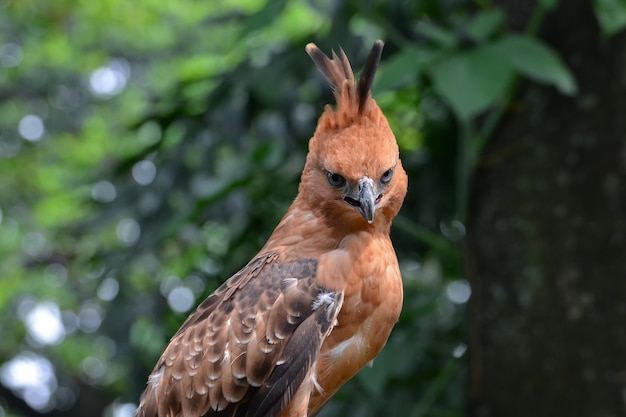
x=367 y=215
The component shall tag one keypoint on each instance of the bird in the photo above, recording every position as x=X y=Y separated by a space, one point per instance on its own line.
x=319 y=300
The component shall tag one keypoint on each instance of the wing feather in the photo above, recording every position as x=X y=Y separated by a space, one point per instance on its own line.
x=247 y=348
x=297 y=358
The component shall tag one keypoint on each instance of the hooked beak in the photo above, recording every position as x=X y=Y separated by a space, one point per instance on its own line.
x=366 y=200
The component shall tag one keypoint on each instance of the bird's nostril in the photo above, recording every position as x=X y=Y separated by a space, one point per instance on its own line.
x=380 y=197
x=352 y=201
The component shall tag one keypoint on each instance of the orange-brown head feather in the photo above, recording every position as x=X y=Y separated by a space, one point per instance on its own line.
x=353 y=174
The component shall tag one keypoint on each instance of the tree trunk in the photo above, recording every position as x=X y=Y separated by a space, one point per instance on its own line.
x=548 y=239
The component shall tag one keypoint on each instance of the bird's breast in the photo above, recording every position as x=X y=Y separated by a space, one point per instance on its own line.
x=368 y=269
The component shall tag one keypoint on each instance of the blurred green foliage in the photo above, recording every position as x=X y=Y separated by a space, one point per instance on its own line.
x=148 y=148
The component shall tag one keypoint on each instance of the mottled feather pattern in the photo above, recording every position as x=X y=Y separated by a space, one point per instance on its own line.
x=246 y=331
x=320 y=299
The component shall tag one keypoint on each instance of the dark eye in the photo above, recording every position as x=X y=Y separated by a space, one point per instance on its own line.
x=386 y=177
x=336 y=180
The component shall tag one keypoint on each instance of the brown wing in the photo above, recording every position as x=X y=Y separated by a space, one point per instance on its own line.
x=247 y=347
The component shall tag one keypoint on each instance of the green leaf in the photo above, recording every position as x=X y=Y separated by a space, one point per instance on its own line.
x=471 y=81
x=611 y=14
x=485 y=24
x=535 y=60
x=437 y=34
x=404 y=67
x=264 y=17
x=398 y=71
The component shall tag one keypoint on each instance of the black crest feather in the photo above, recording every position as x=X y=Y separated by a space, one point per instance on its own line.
x=337 y=70
x=369 y=72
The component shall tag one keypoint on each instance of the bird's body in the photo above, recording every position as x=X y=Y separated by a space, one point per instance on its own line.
x=319 y=300
x=372 y=299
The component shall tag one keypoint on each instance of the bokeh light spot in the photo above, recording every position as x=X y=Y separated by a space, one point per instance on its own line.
x=453 y=230
x=181 y=299
x=103 y=192
x=105 y=346
x=89 y=317
x=44 y=324
x=195 y=283
x=459 y=350
x=70 y=321
x=34 y=244
x=169 y=283
x=31 y=128
x=25 y=305
x=459 y=291
x=10 y=55
x=106 y=82
x=108 y=289
x=121 y=410
x=144 y=172
x=128 y=231
x=31 y=377
x=211 y=266
x=93 y=368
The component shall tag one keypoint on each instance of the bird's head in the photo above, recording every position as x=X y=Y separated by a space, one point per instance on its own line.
x=353 y=171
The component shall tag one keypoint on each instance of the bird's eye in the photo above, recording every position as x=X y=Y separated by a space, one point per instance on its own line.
x=336 y=180
x=386 y=177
